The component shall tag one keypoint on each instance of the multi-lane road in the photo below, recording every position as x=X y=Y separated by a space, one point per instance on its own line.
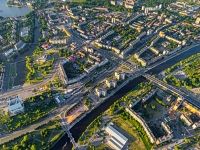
x=28 y=91
x=144 y=72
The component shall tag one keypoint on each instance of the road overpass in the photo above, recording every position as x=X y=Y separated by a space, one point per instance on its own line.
x=189 y=98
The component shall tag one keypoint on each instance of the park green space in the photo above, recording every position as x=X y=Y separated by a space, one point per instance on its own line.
x=136 y=141
x=190 y=67
x=96 y=3
x=6 y=32
x=36 y=108
x=38 y=71
x=42 y=138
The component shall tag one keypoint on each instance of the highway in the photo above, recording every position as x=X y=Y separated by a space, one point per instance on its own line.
x=27 y=91
x=56 y=112
x=189 y=98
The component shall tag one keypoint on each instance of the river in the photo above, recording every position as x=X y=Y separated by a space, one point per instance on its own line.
x=80 y=127
x=6 y=11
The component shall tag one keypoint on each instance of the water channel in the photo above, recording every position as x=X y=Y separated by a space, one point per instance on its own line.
x=80 y=127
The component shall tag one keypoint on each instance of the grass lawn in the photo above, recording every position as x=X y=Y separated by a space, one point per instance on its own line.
x=102 y=147
x=135 y=142
x=12 y=74
x=93 y=128
x=78 y=1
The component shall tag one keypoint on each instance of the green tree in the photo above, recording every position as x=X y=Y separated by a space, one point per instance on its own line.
x=33 y=147
x=5 y=147
x=16 y=147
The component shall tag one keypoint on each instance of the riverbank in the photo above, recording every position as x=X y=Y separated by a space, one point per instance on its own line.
x=13 y=10
x=13 y=3
x=80 y=127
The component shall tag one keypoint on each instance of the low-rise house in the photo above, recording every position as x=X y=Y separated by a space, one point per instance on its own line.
x=19 y=46
x=9 y=52
x=46 y=46
x=24 y=31
x=15 y=106
x=43 y=59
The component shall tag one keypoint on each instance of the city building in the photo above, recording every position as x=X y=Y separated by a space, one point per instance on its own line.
x=151 y=9
x=111 y=83
x=196 y=125
x=129 y=4
x=113 y=2
x=62 y=74
x=9 y=52
x=186 y=120
x=56 y=41
x=198 y=21
x=101 y=92
x=120 y=76
x=166 y=128
x=116 y=140
x=59 y=99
